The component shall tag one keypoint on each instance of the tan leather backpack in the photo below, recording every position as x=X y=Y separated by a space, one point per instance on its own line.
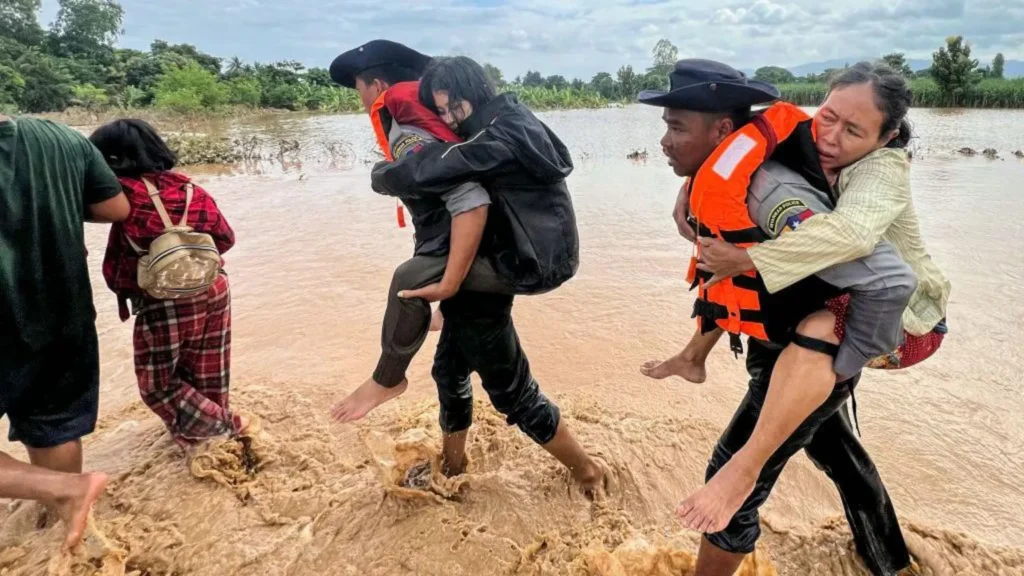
x=180 y=262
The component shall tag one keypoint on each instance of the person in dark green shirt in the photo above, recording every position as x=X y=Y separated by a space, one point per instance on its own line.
x=51 y=181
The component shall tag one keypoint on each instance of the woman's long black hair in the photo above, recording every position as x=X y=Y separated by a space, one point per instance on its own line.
x=132 y=147
x=461 y=77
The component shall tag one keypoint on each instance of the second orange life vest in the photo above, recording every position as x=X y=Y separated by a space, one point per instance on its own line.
x=718 y=204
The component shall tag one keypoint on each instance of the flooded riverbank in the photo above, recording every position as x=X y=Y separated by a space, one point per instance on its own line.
x=307 y=302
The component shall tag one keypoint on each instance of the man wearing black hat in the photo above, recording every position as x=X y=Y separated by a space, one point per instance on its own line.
x=448 y=227
x=375 y=66
x=707 y=102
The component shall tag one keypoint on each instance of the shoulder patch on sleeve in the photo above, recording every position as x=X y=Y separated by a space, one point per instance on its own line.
x=793 y=222
x=790 y=206
x=733 y=155
x=408 y=144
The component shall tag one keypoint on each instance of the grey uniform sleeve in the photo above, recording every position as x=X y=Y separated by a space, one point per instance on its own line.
x=465 y=197
x=407 y=140
x=880 y=285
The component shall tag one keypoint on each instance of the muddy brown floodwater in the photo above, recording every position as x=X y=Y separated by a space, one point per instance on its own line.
x=315 y=252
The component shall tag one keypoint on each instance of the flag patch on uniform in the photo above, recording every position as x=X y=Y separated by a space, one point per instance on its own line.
x=408 y=144
x=790 y=206
x=794 y=221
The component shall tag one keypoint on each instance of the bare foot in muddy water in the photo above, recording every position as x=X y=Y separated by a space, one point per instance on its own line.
x=678 y=365
x=358 y=404
x=88 y=488
x=593 y=480
x=712 y=507
x=244 y=421
x=451 y=470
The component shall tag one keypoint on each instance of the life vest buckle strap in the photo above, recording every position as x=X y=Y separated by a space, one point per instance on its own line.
x=735 y=344
x=709 y=310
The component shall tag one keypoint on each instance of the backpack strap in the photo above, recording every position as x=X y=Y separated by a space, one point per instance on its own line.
x=189 y=189
x=154 y=196
x=138 y=249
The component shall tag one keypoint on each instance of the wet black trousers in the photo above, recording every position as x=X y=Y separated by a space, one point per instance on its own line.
x=479 y=336
x=406 y=322
x=832 y=445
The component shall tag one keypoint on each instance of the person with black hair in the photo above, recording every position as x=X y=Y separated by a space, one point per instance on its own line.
x=862 y=134
x=797 y=393
x=448 y=227
x=52 y=180
x=531 y=241
x=183 y=345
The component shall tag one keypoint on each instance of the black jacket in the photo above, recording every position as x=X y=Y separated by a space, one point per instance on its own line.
x=531 y=228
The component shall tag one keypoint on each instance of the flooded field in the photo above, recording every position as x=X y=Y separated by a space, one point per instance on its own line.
x=316 y=248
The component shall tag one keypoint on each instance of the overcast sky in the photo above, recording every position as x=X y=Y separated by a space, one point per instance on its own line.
x=577 y=37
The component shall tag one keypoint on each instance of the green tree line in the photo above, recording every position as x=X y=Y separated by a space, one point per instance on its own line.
x=75 y=62
x=953 y=80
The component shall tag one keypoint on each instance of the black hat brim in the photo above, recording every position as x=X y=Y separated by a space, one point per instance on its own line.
x=347 y=66
x=725 y=97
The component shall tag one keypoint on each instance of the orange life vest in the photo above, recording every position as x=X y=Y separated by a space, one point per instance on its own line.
x=400 y=103
x=382 y=141
x=378 y=125
x=718 y=203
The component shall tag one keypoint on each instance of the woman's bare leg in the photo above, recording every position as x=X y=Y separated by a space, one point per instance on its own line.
x=801 y=382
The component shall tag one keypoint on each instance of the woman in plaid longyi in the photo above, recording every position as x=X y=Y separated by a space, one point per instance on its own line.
x=182 y=346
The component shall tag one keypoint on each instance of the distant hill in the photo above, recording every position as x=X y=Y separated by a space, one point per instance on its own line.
x=1012 y=69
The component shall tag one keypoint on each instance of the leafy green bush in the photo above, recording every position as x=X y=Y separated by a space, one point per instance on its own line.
x=90 y=97
x=244 y=92
x=11 y=86
x=284 y=96
x=189 y=89
x=132 y=97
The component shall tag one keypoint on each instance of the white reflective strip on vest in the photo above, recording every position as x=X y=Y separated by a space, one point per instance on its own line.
x=733 y=155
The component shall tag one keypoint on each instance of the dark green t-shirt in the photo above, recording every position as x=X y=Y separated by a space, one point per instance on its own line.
x=49 y=173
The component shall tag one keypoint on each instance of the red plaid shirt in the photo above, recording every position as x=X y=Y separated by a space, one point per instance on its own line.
x=144 y=225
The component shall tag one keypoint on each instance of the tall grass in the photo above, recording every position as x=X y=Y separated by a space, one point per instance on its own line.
x=541 y=98
x=989 y=93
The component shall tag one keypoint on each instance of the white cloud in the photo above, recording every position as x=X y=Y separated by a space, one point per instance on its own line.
x=578 y=37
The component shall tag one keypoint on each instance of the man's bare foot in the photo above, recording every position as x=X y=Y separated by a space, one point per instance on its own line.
x=678 y=365
x=436 y=321
x=711 y=508
x=76 y=507
x=358 y=404
x=593 y=480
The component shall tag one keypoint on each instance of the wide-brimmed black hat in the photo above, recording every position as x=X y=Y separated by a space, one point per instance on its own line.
x=709 y=86
x=375 y=53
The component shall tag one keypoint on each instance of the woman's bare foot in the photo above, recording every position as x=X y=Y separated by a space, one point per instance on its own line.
x=249 y=424
x=358 y=404
x=711 y=508
x=436 y=321
x=678 y=365
x=77 y=505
